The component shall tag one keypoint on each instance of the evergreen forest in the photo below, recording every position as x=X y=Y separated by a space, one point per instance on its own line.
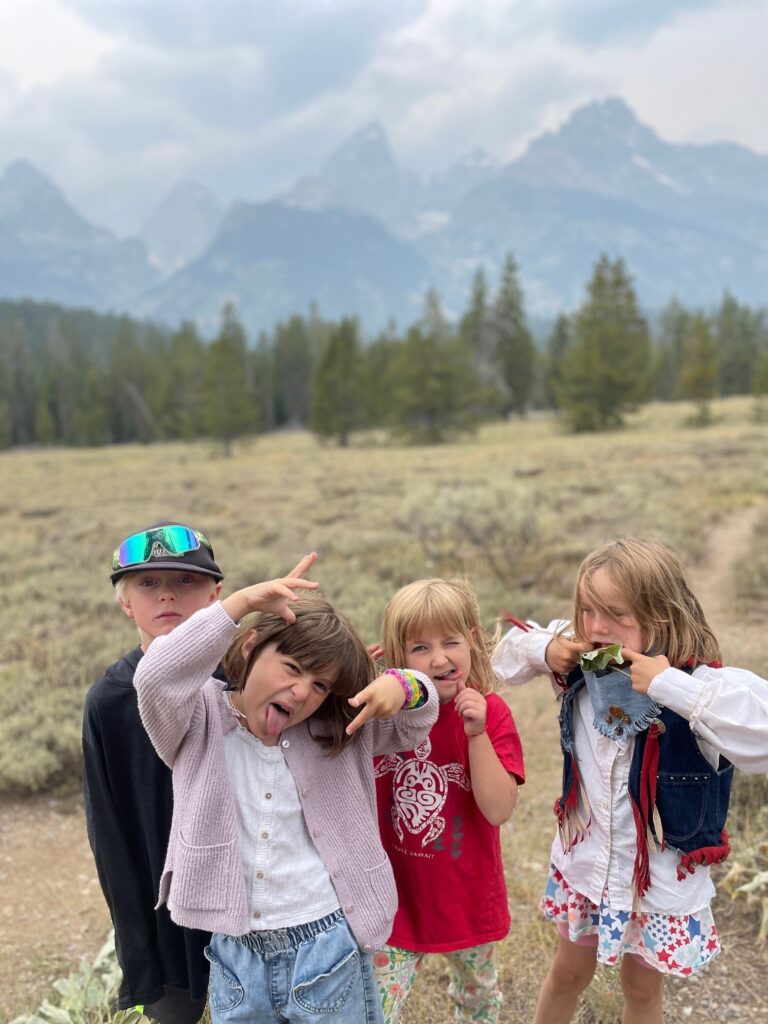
x=78 y=378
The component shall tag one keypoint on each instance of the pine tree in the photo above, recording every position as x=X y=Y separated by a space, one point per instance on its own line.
x=557 y=345
x=434 y=388
x=737 y=330
x=760 y=383
x=183 y=405
x=378 y=359
x=264 y=382
x=606 y=367
x=92 y=418
x=293 y=365
x=514 y=352
x=336 y=397
x=228 y=406
x=668 y=355
x=699 y=373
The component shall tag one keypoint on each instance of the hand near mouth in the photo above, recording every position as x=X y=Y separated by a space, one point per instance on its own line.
x=562 y=653
x=644 y=668
x=470 y=705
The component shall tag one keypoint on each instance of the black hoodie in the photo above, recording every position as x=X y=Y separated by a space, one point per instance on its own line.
x=128 y=805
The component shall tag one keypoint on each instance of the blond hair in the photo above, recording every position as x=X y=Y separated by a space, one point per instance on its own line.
x=436 y=605
x=652 y=580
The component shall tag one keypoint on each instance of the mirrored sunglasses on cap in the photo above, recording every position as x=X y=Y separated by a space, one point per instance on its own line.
x=159 y=542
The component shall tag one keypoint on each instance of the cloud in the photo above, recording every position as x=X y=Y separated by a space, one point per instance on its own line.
x=598 y=23
x=702 y=78
x=41 y=41
x=245 y=95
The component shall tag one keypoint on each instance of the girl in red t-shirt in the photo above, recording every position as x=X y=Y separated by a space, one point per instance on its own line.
x=441 y=805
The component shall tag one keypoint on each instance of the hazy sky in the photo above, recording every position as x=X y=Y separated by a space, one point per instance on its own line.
x=117 y=99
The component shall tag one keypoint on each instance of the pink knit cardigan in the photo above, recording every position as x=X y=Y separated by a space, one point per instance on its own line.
x=186 y=716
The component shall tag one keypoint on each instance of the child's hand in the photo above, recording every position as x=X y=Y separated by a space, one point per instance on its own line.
x=643 y=669
x=470 y=704
x=376 y=651
x=273 y=595
x=562 y=653
x=383 y=698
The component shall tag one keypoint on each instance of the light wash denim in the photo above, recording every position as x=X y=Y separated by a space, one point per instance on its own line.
x=313 y=972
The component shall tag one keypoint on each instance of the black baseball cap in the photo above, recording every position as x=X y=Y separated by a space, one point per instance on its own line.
x=165 y=545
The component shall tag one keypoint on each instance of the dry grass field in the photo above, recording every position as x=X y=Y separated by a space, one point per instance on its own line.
x=514 y=509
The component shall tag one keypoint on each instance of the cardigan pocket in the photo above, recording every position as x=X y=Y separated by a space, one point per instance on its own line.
x=681 y=798
x=205 y=877
x=381 y=893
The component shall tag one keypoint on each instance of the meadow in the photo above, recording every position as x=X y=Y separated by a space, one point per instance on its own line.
x=513 y=509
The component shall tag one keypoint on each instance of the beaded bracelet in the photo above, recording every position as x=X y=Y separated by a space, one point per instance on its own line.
x=415 y=693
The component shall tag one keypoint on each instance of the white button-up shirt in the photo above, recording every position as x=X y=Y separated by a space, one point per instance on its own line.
x=288 y=883
x=728 y=712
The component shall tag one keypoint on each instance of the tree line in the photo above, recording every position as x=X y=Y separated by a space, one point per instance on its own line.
x=75 y=377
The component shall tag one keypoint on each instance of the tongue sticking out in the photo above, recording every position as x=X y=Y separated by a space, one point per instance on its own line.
x=276 y=719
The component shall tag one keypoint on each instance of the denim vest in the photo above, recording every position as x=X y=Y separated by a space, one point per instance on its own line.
x=669 y=780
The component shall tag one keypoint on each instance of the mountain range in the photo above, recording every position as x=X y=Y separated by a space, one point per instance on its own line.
x=362 y=235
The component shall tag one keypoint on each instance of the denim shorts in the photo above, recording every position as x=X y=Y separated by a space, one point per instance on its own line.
x=312 y=972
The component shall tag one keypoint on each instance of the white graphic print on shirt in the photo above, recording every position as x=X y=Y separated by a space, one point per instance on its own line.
x=419 y=791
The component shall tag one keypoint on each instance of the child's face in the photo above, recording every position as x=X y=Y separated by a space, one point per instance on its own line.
x=158 y=600
x=609 y=619
x=445 y=657
x=279 y=693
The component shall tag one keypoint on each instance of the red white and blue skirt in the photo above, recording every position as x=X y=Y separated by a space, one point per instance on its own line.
x=679 y=944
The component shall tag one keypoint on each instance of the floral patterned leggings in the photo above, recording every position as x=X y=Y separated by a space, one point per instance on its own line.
x=474 y=986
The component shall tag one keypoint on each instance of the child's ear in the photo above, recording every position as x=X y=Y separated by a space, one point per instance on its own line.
x=125 y=604
x=215 y=593
x=248 y=643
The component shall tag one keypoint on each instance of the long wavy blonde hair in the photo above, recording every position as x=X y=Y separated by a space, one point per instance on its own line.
x=652 y=580
x=438 y=606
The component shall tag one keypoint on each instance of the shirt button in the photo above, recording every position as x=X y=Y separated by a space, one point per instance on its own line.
x=265 y=835
x=268 y=796
x=367 y=949
x=316 y=833
x=259 y=874
x=285 y=743
x=349 y=909
x=337 y=873
x=257 y=914
x=304 y=792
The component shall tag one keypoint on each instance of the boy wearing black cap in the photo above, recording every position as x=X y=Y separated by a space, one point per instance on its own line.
x=161 y=575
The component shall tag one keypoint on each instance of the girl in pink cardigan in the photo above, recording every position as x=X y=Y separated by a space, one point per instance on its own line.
x=274 y=842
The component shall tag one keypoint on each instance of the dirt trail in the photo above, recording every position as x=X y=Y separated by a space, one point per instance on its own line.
x=713 y=584
x=52 y=912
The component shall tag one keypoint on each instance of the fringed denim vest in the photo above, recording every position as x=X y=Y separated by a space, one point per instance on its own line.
x=677 y=798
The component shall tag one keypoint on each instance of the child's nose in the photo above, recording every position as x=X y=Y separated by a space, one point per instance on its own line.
x=600 y=623
x=300 y=689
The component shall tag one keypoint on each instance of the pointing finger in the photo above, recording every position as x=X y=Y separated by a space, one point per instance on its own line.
x=304 y=565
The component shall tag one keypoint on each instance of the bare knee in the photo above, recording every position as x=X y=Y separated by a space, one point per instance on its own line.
x=573 y=966
x=641 y=986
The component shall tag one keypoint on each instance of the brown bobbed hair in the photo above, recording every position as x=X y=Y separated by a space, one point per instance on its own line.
x=444 y=607
x=321 y=640
x=651 y=578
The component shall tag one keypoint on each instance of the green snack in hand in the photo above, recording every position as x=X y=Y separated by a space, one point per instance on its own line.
x=596 y=661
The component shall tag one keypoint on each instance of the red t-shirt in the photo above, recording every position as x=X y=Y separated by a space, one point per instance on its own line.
x=446 y=856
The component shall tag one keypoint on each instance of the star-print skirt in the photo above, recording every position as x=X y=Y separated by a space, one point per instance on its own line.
x=673 y=944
